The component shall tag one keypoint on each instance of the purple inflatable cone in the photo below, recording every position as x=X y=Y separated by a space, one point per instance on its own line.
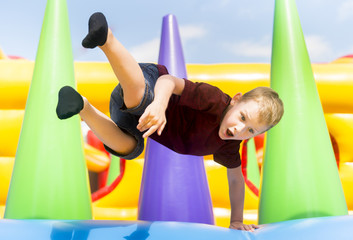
x=174 y=186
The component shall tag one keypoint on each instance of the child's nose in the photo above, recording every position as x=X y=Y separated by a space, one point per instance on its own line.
x=240 y=128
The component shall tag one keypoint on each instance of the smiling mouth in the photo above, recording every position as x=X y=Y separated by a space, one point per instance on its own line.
x=229 y=133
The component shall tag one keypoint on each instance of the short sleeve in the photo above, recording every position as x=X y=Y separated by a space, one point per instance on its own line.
x=203 y=96
x=162 y=70
x=228 y=155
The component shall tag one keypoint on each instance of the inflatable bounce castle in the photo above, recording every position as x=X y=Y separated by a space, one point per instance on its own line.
x=57 y=182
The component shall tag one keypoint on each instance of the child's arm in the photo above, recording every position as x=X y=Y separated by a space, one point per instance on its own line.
x=236 y=196
x=153 y=118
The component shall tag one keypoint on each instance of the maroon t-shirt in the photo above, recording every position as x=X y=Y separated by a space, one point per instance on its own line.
x=193 y=121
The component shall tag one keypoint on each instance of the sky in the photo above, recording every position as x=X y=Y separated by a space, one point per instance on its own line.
x=212 y=31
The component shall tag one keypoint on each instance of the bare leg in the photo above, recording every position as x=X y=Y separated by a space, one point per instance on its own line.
x=71 y=103
x=130 y=77
x=126 y=70
x=106 y=130
x=123 y=64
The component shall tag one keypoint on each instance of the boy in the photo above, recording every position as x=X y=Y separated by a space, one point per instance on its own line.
x=189 y=118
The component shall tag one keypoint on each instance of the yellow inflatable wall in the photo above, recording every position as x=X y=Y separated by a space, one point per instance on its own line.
x=96 y=81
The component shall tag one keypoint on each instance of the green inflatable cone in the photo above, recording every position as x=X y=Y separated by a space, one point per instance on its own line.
x=300 y=176
x=49 y=179
x=114 y=169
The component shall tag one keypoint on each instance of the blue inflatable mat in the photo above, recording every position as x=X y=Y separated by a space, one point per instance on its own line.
x=313 y=228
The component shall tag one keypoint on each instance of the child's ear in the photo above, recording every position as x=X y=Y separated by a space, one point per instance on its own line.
x=236 y=98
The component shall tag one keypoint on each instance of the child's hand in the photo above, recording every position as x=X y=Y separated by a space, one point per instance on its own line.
x=152 y=119
x=242 y=226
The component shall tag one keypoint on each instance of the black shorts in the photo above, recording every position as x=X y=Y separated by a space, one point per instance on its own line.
x=127 y=118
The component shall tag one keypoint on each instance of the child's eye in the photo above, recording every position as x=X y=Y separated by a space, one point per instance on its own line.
x=251 y=130
x=242 y=118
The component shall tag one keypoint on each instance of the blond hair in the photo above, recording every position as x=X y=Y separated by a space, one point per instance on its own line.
x=270 y=105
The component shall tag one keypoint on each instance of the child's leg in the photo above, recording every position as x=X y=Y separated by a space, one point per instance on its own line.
x=131 y=80
x=125 y=67
x=107 y=131
x=71 y=103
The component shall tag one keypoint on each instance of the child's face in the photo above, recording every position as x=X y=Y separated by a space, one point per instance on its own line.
x=241 y=120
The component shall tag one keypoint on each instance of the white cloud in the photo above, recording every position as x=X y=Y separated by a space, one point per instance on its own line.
x=223 y=3
x=188 y=32
x=319 y=49
x=148 y=51
x=345 y=10
x=254 y=49
x=212 y=5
